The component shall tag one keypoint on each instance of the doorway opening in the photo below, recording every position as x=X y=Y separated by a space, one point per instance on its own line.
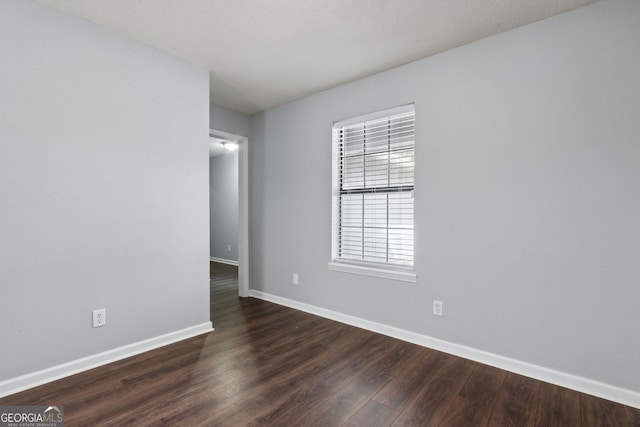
x=217 y=139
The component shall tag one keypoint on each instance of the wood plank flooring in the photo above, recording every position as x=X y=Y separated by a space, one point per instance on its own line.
x=273 y=366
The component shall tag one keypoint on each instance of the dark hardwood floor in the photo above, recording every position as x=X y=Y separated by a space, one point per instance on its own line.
x=270 y=365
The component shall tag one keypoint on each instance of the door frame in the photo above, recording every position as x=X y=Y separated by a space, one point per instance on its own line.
x=243 y=207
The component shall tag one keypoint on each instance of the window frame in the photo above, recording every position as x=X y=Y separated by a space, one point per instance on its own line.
x=375 y=269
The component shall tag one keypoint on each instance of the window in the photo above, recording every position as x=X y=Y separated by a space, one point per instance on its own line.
x=373 y=193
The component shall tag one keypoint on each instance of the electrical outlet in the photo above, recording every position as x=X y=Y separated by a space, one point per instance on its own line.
x=437 y=307
x=296 y=279
x=228 y=248
x=99 y=317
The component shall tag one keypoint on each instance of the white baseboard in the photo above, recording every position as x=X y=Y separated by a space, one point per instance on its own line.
x=563 y=379
x=224 y=261
x=24 y=382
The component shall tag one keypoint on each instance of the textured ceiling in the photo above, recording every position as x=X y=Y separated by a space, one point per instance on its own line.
x=263 y=53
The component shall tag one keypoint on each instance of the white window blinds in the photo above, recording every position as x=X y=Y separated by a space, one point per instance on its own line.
x=375 y=180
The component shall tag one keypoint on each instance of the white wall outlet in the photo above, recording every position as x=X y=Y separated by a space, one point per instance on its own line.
x=296 y=279
x=437 y=307
x=228 y=248
x=99 y=317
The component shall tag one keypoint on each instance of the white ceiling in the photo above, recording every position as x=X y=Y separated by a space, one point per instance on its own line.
x=216 y=148
x=263 y=53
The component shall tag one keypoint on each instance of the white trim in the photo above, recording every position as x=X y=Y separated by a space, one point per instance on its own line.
x=24 y=382
x=404 y=276
x=243 y=213
x=243 y=207
x=563 y=379
x=335 y=193
x=225 y=136
x=375 y=115
x=224 y=261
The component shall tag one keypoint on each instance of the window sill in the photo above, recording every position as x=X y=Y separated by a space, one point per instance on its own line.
x=403 y=276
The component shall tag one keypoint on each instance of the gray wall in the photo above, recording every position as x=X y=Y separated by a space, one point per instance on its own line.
x=103 y=171
x=527 y=201
x=229 y=121
x=223 y=206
